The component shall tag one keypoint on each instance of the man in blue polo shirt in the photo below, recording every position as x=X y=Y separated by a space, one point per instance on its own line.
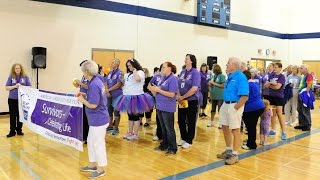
x=236 y=91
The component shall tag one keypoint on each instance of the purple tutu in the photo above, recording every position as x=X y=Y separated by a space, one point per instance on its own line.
x=134 y=104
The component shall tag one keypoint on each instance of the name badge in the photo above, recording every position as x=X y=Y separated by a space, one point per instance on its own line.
x=182 y=85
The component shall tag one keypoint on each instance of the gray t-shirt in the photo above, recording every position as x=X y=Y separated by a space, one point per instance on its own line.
x=294 y=79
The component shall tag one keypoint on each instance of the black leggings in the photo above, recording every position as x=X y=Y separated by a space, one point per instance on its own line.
x=85 y=129
x=15 y=124
x=250 y=119
x=187 y=121
x=205 y=99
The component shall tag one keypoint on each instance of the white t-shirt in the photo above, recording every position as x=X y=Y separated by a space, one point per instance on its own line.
x=131 y=86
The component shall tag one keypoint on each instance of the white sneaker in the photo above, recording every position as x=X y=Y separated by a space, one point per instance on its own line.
x=287 y=122
x=182 y=142
x=127 y=135
x=245 y=147
x=155 y=138
x=244 y=142
x=186 y=145
x=133 y=137
x=210 y=124
x=292 y=124
x=266 y=143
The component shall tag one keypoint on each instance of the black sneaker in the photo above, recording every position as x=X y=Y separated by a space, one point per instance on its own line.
x=159 y=148
x=20 y=133
x=299 y=127
x=170 y=152
x=204 y=115
x=146 y=124
x=11 y=135
x=305 y=129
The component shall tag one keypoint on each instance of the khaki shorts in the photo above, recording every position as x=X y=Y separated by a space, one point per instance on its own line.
x=228 y=116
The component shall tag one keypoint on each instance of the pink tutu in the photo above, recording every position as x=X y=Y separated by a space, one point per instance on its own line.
x=134 y=104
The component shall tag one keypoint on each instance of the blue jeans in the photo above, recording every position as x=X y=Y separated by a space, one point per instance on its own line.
x=168 y=134
x=303 y=115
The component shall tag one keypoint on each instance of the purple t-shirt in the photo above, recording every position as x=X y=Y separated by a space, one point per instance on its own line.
x=187 y=80
x=266 y=117
x=155 y=79
x=264 y=79
x=112 y=78
x=84 y=81
x=25 y=81
x=164 y=103
x=279 y=79
x=100 y=77
x=205 y=78
x=96 y=95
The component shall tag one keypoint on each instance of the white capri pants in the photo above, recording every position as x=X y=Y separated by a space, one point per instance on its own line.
x=97 y=145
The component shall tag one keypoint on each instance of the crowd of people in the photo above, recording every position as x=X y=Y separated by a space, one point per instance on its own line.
x=241 y=96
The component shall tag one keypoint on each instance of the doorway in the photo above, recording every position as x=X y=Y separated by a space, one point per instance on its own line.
x=314 y=66
x=104 y=57
x=261 y=63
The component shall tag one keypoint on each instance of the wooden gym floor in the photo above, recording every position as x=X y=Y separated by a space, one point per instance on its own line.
x=34 y=157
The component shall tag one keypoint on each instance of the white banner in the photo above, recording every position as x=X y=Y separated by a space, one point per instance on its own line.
x=55 y=116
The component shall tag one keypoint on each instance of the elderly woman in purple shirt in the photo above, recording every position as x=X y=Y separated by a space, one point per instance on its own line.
x=17 y=78
x=98 y=120
x=189 y=82
x=166 y=93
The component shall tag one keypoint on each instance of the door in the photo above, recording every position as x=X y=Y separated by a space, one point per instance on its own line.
x=104 y=57
x=314 y=66
x=262 y=63
x=255 y=63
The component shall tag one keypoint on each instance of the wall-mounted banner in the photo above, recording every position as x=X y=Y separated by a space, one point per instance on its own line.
x=55 y=116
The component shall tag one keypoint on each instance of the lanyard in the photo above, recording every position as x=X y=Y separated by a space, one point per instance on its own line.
x=113 y=72
x=129 y=76
x=18 y=78
x=162 y=81
x=187 y=73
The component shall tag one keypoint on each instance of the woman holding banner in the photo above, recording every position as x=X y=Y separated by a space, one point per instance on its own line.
x=98 y=120
x=17 y=78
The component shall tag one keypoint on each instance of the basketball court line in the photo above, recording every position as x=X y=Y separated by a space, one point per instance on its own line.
x=245 y=155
